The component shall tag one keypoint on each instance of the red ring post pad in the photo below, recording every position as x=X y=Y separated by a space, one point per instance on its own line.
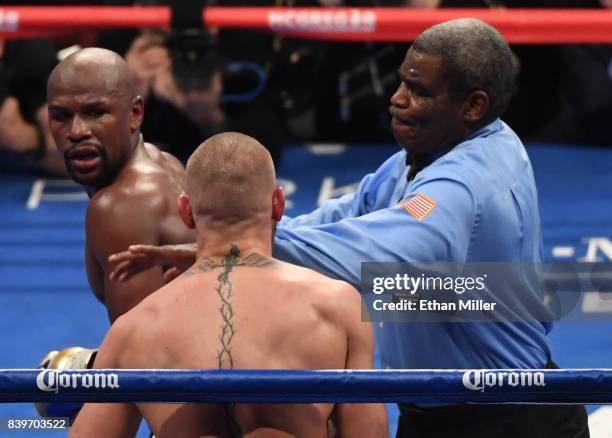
x=300 y=386
x=521 y=26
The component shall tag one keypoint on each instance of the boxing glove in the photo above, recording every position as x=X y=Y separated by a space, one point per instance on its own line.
x=73 y=358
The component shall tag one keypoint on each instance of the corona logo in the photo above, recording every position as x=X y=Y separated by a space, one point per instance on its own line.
x=53 y=380
x=478 y=380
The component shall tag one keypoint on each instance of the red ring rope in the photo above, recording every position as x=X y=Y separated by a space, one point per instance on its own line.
x=538 y=26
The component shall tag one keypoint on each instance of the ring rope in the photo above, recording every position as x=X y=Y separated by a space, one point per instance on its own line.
x=532 y=26
x=306 y=386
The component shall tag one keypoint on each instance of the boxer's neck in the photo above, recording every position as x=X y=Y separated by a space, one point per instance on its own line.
x=248 y=236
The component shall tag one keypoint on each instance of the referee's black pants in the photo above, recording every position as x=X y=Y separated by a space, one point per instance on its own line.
x=493 y=421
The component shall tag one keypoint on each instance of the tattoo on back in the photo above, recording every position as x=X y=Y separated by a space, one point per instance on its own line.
x=227 y=331
x=224 y=289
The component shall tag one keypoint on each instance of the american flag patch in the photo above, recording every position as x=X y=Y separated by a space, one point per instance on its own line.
x=419 y=206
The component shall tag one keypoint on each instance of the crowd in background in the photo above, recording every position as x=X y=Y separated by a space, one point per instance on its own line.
x=281 y=90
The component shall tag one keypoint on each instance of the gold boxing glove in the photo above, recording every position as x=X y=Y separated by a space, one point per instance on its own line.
x=73 y=358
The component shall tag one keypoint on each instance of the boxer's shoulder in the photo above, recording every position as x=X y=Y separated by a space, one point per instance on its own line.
x=136 y=334
x=115 y=220
x=163 y=164
x=315 y=280
x=163 y=158
x=334 y=298
x=141 y=190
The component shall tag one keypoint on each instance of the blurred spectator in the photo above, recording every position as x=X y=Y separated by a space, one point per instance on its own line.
x=24 y=130
x=178 y=114
x=185 y=80
x=167 y=122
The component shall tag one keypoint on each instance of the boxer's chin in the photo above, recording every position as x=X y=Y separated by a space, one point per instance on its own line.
x=91 y=177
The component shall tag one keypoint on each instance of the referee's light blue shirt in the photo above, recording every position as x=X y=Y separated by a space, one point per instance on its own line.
x=486 y=210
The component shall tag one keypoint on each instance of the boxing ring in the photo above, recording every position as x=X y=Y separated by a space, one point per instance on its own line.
x=566 y=386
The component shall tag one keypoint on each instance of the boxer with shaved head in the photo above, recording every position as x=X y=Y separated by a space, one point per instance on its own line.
x=95 y=117
x=238 y=308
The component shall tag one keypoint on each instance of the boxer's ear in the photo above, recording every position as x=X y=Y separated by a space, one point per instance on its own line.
x=185 y=211
x=137 y=113
x=278 y=203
